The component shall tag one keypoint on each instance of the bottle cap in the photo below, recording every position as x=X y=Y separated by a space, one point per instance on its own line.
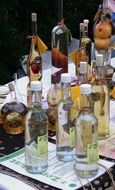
x=85 y=89
x=65 y=77
x=81 y=25
x=34 y=17
x=83 y=67
x=36 y=86
x=86 y=21
x=113 y=77
x=99 y=60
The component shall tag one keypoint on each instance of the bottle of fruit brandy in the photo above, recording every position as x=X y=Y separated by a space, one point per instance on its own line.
x=59 y=42
x=34 y=61
x=86 y=162
x=13 y=114
x=100 y=99
x=65 y=129
x=36 y=133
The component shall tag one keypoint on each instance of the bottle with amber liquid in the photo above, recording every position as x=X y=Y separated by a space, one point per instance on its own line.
x=59 y=43
x=100 y=99
x=13 y=114
x=53 y=97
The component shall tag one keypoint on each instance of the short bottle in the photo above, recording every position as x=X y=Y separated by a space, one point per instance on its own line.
x=13 y=114
x=100 y=99
x=53 y=97
x=36 y=133
x=83 y=72
x=65 y=129
x=86 y=162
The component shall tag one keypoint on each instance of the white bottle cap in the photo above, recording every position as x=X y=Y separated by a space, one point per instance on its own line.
x=65 y=77
x=99 y=60
x=83 y=67
x=85 y=89
x=86 y=21
x=113 y=77
x=34 y=17
x=36 y=86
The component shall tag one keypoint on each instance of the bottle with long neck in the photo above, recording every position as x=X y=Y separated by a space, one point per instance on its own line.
x=65 y=129
x=34 y=65
x=59 y=43
x=36 y=133
x=86 y=162
x=100 y=99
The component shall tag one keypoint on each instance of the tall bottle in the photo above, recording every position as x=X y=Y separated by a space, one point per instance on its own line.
x=36 y=133
x=34 y=65
x=59 y=43
x=53 y=97
x=86 y=162
x=100 y=98
x=13 y=114
x=65 y=129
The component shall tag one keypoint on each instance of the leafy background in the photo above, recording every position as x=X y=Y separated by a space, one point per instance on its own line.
x=15 y=25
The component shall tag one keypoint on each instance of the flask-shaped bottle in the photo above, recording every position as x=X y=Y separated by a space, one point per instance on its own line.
x=86 y=162
x=65 y=129
x=36 y=133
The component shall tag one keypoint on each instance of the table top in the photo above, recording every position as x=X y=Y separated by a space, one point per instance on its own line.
x=11 y=143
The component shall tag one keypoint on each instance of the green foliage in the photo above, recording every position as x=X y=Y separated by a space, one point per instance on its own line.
x=15 y=25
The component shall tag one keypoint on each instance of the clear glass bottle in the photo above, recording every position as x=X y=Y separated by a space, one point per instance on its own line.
x=100 y=98
x=36 y=133
x=86 y=162
x=83 y=73
x=34 y=62
x=60 y=40
x=65 y=129
x=13 y=114
x=53 y=97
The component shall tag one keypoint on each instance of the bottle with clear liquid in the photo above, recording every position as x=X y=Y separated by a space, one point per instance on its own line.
x=36 y=133
x=34 y=62
x=87 y=156
x=13 y=114
x=53 y=97
x=60 y=39
x=65 y=129
x=100 y=99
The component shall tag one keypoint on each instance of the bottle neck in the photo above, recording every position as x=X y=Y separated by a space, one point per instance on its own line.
x=34 y=28
x=81 y=38
x=85 y=101
x=86 y=31
x=66 y=90
x=60 y=10
x=13 y=96
x=36 y=97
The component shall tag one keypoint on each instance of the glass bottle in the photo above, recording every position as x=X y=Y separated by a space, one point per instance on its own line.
x=112 y=87
x=100 y=98
x=83 y=73
x=13 y=114
x=86 y=162
x=65 y=129
x=60 y=39
x=53 y=97
x=36 y=133
x=34 y=63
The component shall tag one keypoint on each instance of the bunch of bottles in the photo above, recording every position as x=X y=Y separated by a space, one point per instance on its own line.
x=78 y=107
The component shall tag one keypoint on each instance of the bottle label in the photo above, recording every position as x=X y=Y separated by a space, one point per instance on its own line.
x=42 y=145
x=92 y=153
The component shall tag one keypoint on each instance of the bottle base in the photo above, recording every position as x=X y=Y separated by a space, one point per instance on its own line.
x=86 y=170
x=65 y=158
x=36 y=170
